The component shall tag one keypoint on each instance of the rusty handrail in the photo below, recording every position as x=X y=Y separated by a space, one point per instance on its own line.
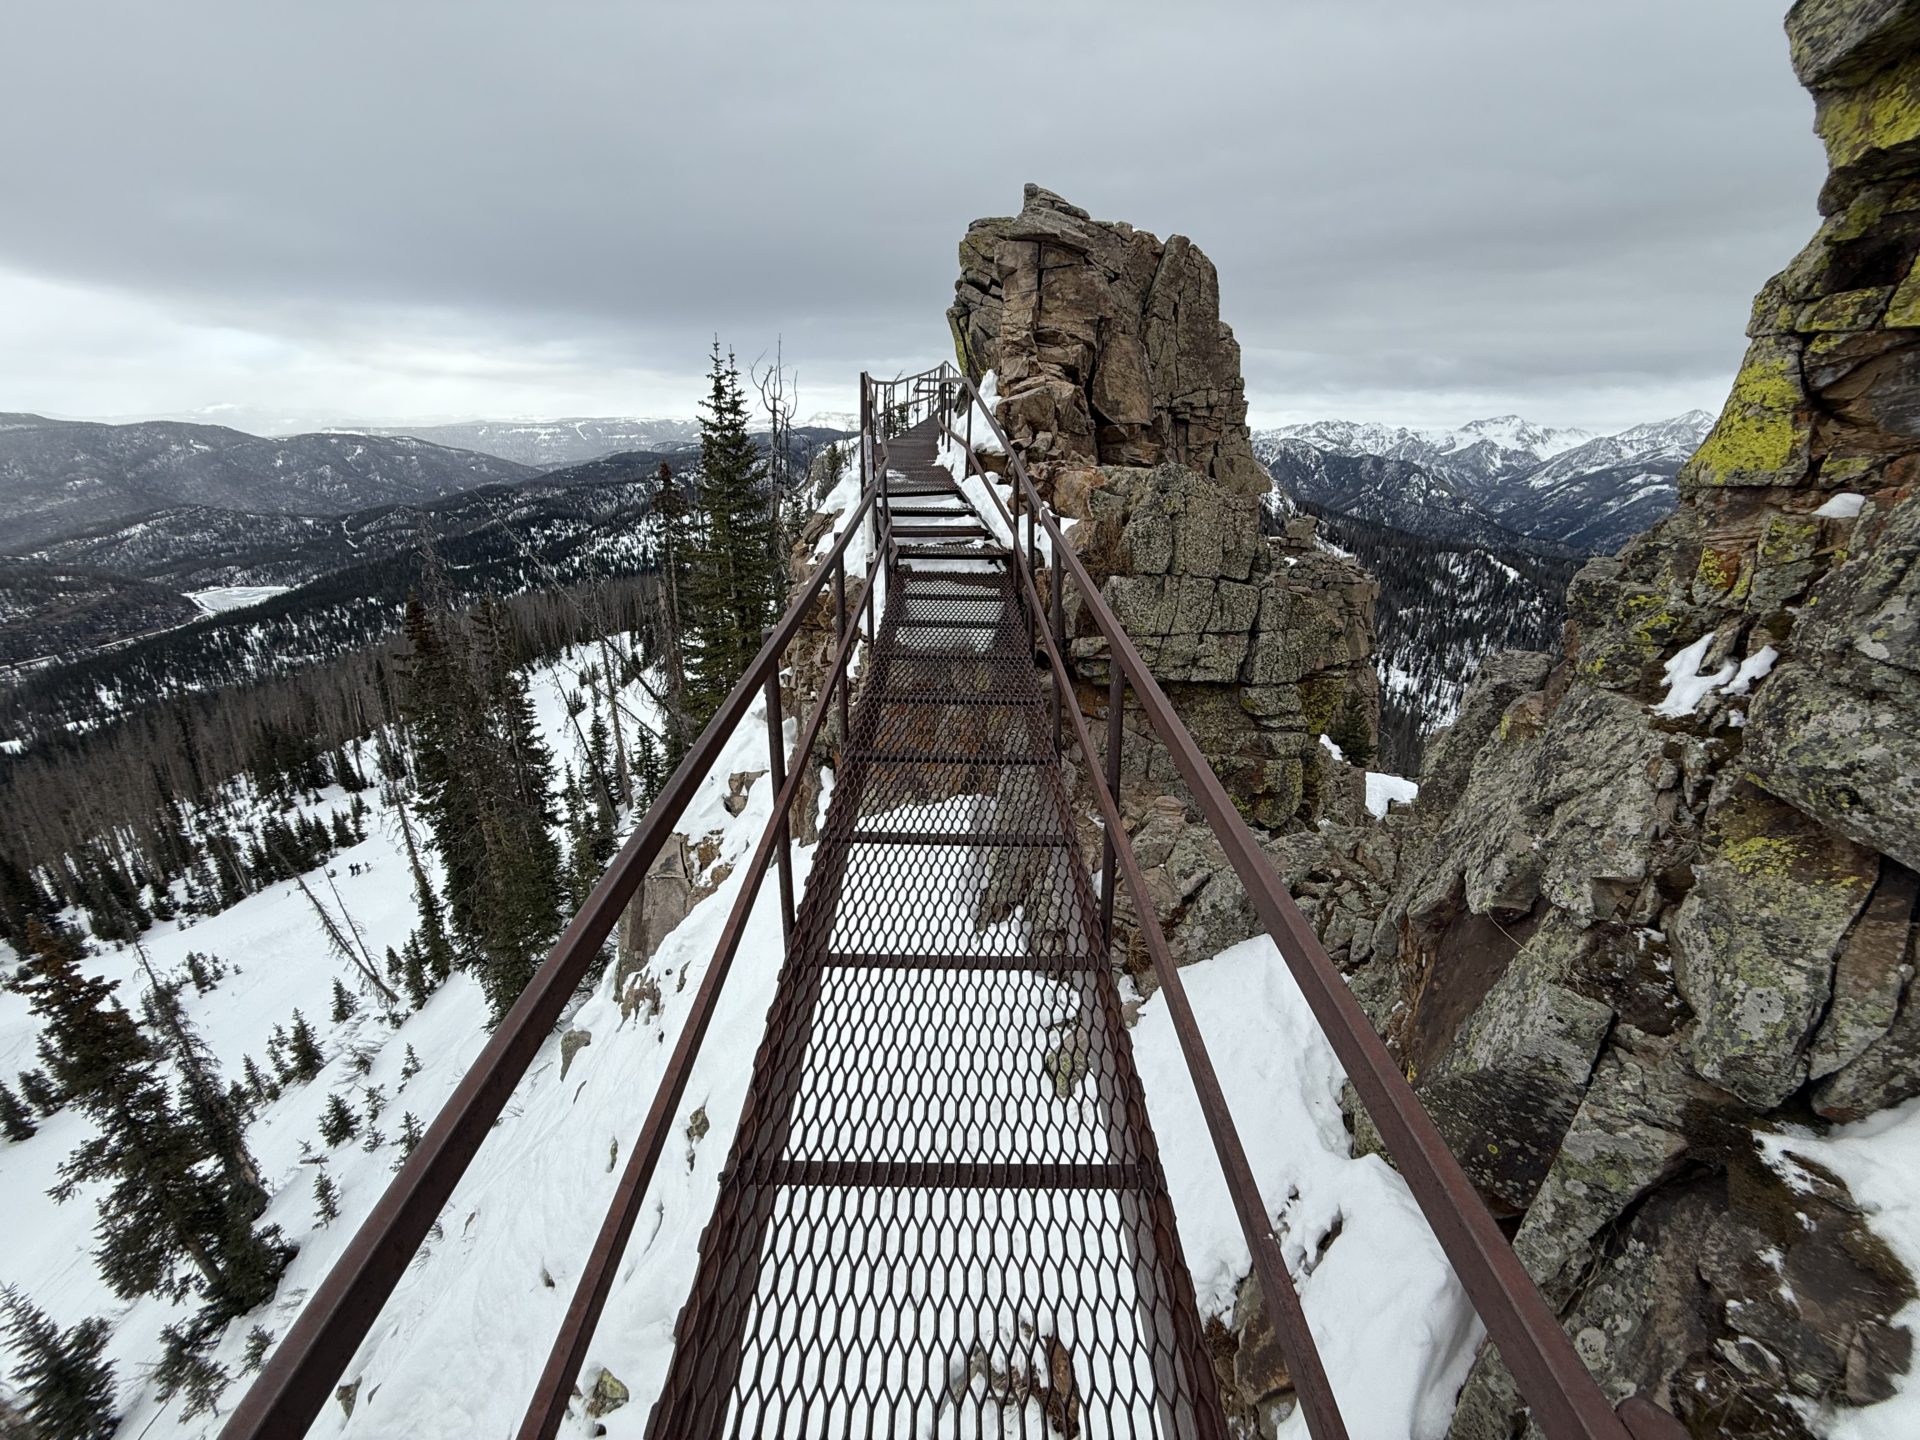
x=1566 y=1401
x=299 y=1377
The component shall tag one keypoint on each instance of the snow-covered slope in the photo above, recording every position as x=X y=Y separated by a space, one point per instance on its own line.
x=456 y=1351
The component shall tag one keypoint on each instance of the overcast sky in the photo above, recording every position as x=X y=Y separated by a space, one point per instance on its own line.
x=1422 y=210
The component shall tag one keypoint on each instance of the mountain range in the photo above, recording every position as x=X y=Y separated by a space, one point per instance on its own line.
x=61 y=476
x=551 y=444
x=1502 y=482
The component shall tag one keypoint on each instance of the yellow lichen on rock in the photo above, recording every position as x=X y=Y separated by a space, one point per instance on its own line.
x=1761 y=437
x=1881 y=114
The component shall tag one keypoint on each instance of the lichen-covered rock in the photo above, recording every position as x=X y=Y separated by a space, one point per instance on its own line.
x=1259 y=642
x=1755 y=940
x=1730 y=882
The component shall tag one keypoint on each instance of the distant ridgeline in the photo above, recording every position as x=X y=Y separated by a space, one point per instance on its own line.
x=105 y=744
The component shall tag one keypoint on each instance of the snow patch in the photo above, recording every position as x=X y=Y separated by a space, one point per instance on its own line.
x=1756 y=666
x=1844 y=506
x=1385 y=791
x=1394 y=1327
x=1686 y=686
x=1879 y=1159
x=219 y=599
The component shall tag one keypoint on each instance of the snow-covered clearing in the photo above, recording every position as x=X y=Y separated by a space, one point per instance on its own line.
x=219 y=599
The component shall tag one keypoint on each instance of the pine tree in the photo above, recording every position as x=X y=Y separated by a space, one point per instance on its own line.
x=66 y=1383
x=410 y=1133
x=39 y=1092
x=185 y=1369
x=304 y=1060
x=338 y=1123
x=410 y=1066
x=731 y=597
x=167 y=1199
x=16 y=1122
x=345 y=1007
x=326 y=1198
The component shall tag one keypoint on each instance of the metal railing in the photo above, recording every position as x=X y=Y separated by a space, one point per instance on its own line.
x=300 y=1376
x=304 y=1368
x=1565 y=1400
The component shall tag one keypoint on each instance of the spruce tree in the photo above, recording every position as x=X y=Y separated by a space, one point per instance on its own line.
x=672 y=553
x=40 y=1092
x=338 y=1123
x=167 y=1201
x=731 y=597
x=16 y=1122
x=345 y=1007
x=263 y=1090
x=207 y=1103
x=259 y=1338
x=65 y=1381
x=1351 y=732
x=186 y=1370
x=520 y=910
x=304 y=1060
x=326 y=1198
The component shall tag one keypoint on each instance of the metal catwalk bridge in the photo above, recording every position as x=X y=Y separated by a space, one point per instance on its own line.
x=944 y=1212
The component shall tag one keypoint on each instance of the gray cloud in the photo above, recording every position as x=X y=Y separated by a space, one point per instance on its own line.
x=1417 y=210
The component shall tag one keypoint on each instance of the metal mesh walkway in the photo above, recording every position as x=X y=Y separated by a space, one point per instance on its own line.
x=944 y=1212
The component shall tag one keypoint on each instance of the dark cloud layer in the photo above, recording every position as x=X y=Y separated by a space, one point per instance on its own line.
x=359 y=207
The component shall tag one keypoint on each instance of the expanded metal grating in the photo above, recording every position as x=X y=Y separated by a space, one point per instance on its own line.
x=944 y=1212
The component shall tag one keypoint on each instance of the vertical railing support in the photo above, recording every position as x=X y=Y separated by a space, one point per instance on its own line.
x=1058 y=605
x=840 y=632
x=1116 y=734
x=777 y=773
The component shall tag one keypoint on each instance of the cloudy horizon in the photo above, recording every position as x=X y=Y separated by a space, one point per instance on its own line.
x=1421 y=215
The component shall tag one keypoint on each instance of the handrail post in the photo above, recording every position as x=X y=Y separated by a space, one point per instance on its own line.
x=1116 y=735
x=1059 y=609
x=777 y=774
x=840 y=632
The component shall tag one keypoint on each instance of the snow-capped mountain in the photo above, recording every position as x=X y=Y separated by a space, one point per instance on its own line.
x=1553 y=486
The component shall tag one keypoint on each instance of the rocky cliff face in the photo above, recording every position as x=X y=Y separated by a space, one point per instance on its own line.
x=1658 y=894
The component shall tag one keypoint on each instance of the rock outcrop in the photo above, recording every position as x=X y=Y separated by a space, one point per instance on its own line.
x=1121 y=387
x=1107 y=343
x=1658 y=893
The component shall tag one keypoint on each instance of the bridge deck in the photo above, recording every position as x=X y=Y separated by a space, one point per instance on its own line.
x=944 y=1212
